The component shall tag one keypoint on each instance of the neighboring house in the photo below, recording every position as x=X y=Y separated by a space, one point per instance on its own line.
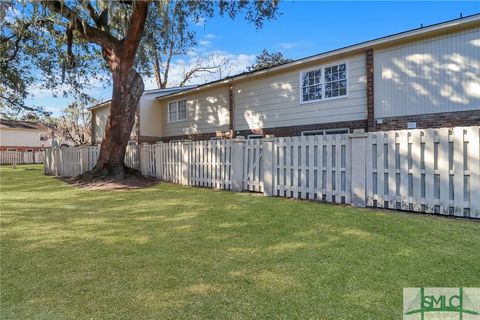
x=426 y=77
x=25 y=136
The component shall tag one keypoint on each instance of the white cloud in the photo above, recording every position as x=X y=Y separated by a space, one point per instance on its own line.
x=211 y=36
x=204 y=43
x=234 y=64
x=287 y=45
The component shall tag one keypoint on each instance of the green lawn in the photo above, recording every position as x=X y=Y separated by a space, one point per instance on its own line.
x=175 y=252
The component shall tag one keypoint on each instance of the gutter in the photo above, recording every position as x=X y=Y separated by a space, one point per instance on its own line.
x=382 y=42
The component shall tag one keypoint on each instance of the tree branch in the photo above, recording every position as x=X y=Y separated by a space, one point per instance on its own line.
x=135 y=29
x=92 y=34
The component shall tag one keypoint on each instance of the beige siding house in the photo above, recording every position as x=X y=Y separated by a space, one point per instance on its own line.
x=427 y=77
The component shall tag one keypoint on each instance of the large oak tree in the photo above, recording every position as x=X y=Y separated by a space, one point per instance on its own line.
x=116 y=28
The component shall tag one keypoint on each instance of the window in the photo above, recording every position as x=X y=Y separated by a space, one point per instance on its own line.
x=324 y=132
x=312 y=132
x=254 y=136
x=11 y=149
x=29 y=150
x=312 y=85
x=177 y=111
x=324 y=83
x=337 y=131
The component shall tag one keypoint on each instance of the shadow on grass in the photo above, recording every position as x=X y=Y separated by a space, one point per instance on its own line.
x=171 y=251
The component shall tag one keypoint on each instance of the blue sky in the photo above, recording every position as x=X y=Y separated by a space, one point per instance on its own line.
x=304 y=28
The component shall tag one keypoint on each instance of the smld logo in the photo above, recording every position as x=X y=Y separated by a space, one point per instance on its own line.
x=441 y=303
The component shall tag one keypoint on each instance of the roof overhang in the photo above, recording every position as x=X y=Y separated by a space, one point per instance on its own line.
x=451 y=26
x=99 y=105
x=160 y=92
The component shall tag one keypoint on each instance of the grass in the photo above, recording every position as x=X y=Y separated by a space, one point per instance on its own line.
x=175 y=252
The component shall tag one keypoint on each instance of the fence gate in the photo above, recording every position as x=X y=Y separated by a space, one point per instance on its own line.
x=252 y=165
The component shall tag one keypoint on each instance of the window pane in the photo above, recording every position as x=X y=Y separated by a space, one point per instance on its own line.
x=304 y=79
x=172 y=111
x=311 y=90
x=336 y=83
x=182 y=110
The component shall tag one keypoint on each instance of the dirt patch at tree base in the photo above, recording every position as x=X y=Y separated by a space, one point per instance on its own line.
x=107 y=184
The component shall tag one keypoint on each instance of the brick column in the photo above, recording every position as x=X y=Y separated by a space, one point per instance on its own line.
x=231 y=105
x=370 y=92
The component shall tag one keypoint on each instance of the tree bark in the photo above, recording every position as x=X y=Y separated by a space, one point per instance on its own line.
x=127 y=89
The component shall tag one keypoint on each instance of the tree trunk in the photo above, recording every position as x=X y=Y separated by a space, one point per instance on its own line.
x=127 y=89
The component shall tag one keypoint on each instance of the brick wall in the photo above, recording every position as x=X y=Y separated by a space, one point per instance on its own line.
x=231 y=106
x=297 y=130
x=370 y=92
x=193 y=137
x=435 y=120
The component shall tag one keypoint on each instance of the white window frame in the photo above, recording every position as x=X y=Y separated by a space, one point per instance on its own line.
x=325 y=132
x=322 y=82
x=176 y=104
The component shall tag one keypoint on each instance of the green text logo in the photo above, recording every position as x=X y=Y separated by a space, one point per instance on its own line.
x=441 y=303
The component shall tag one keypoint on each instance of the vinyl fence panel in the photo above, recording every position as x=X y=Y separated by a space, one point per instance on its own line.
x=422 y=170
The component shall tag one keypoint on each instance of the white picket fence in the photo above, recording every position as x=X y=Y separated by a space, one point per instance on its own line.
x=312 y=167
x=72 y=161
x=21 y=157
x=424 y=170
x=432 y=170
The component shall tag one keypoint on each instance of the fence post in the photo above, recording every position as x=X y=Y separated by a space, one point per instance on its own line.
x=358 y=168
x=238 y=150
x=185 y=166
x=83 y=159
x=158 y=160
x=143 y=159
x=267 y=159
x=57 y=161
